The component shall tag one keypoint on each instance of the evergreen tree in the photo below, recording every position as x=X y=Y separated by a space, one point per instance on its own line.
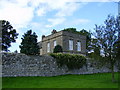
x=29 y=43
x=57 y=49
x=7 y=35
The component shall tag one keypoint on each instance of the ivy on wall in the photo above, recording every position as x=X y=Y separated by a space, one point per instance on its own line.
x=72 y=61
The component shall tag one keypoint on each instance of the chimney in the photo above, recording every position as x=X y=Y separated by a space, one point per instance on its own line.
x=43 y=36
x=54 y=31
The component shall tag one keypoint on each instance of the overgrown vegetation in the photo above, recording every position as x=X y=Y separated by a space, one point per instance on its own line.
x=72 y=61
x=58 y=49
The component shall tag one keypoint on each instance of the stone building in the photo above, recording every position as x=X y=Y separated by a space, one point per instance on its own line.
x=71 y=42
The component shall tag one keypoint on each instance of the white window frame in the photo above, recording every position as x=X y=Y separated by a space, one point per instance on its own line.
x=70 y=44
x=78 y=46
x=54 y=43
x=48 y=47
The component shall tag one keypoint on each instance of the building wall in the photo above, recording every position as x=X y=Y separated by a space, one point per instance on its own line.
x=58 y=37
x=62 y=38
x=75 y=37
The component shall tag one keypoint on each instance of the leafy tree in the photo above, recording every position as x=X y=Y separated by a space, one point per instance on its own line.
x=106 y=36
x=7 y=35
x=88 y=38
x=117 y=24
x=57 y=49
x=73 y=30
x=117 y=44
x=29 y=43
x=70 y=29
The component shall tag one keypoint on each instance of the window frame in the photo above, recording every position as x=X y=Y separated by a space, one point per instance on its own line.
x=79 y=48
x=48 y=47
x=71 y=44
x=54 y=43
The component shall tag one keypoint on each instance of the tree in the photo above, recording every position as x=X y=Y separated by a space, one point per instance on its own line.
x=106 y=36
x=88 y=38
x=117 y=44
x=57 y=49
x=29 y=43
x=73 y=30
x=7 y=35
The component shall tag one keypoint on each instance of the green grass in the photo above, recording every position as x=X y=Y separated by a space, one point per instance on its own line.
x=66 y=81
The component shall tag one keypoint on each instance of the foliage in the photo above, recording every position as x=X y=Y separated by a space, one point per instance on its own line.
x=73 y=30
x=88 y=38
x=7 y=35
x=96 y=50
x=72 y=61
x=117 y=44
x=29 y=43
x=58 y=49
x=106 y=36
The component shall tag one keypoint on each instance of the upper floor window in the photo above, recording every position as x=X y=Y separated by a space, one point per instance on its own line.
x=54 y=43
x=70 y=44
x=78 y=46
x=48 y=47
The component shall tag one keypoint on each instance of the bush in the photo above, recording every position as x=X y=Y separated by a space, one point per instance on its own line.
x=57 y=49
x=72 y=61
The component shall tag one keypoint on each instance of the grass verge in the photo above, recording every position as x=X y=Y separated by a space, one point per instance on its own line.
x=102 y=80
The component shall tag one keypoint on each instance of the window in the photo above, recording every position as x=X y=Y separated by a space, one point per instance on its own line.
x=48 y=47
x=70 y=44
x=54 y=43
x=78 y=46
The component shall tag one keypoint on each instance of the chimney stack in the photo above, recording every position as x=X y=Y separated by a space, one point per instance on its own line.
x=43 y=36
x=54 y=31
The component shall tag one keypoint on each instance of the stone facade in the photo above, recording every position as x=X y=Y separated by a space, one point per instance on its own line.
x=22 y=65
x=62 y=38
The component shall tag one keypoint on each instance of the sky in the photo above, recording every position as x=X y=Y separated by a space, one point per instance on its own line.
x=42 y=16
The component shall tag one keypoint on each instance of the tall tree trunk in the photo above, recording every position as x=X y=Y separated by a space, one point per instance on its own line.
x=113 y=76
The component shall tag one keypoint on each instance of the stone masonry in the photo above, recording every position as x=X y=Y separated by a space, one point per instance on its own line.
x=22 y=65
x=62 y=38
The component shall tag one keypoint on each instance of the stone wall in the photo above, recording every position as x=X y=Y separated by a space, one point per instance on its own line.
x=50 y=39
x=62 y=38
x=23 y=65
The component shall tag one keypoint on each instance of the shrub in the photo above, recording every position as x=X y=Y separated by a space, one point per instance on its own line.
x=72 y=61
x=57 y=49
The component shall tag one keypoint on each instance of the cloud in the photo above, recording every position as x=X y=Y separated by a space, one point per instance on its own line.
x=67 y=9
x=21 y=12
x=41 y=12
x=80 y=21
x=38 y=27
x=18 y=14
x=97 y=0
x=55 y=21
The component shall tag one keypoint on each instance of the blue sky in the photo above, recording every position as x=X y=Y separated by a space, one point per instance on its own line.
x=42 y=16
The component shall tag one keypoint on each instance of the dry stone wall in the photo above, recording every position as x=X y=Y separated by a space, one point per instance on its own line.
x=22 y=65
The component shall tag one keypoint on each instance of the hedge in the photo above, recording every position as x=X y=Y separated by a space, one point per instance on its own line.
x=72 y=61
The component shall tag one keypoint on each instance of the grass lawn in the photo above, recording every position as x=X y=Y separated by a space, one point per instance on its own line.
x=66 y=81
